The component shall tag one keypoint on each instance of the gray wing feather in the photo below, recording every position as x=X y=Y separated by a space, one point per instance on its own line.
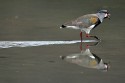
x=84 y=21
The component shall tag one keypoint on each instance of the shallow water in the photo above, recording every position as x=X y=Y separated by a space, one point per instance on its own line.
x=9 y=44
x=38 y=21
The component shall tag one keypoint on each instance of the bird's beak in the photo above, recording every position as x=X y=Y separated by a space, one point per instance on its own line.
x=108 y=65
x=108 y=15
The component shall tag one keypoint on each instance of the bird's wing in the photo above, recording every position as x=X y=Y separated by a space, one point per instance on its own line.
x=86 y=20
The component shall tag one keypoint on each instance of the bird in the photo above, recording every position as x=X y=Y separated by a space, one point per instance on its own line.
x=87 y=59
x=87 y=22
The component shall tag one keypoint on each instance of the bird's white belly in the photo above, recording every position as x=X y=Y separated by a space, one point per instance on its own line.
x=87 y=30
x=73 y=27
x=92 y=26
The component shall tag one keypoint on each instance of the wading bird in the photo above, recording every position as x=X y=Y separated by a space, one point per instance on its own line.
x=87 y=22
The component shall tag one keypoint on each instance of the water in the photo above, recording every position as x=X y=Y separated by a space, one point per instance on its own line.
x=26 y=24
x=9 y=44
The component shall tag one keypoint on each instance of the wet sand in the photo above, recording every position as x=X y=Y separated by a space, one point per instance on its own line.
x=24 y=20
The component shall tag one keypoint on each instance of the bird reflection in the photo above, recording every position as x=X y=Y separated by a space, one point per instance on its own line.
x=87 y=59
x=89 y=45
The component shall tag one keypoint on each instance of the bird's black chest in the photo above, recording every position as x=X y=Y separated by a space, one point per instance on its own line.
x=98 y=59
x=97 y=23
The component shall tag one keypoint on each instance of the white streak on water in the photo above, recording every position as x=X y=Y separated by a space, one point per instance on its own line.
x=8 y=44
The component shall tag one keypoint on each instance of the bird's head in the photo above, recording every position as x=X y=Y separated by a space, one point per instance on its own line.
x=106 y=67
x=105 y=13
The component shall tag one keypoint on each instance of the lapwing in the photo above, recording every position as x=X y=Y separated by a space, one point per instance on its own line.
x=87 y=22
x=87 y=59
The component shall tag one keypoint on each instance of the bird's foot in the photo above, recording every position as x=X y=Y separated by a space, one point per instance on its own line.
x=96 y=38
x=87 y=46
x=87 y=35
x=62 y=57
x=91 y=45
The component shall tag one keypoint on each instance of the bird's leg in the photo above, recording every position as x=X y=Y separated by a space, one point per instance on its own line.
x=81 y=47
x=87 y=35
x=95 y=37
x=95 y=44
x=81 y=36
x=81 y=40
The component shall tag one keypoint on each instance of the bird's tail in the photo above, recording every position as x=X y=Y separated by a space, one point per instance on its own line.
x=70 y=27
x=63 y=26
x=62 y=57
